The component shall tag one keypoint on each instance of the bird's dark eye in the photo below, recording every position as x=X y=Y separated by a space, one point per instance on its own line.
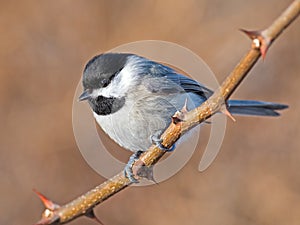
x=105 y=82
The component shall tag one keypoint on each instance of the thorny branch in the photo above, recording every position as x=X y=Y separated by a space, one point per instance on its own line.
x=184 y=121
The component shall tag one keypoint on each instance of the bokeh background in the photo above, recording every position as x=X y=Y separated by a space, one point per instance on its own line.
x=44 y=46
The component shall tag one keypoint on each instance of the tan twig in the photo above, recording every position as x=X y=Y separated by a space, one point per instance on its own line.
x=261 y=41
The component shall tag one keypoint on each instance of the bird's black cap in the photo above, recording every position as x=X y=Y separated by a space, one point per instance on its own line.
x=100 y=70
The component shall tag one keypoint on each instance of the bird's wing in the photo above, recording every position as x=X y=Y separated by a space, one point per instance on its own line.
x=171 y=82
x=189 y=85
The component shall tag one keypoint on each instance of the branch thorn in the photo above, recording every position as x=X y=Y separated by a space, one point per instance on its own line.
x=179 y=115
x=47 y=202
x=259 y=41
x=227 y=113
x=146 y=172
x=177 y=118
x=184 y=109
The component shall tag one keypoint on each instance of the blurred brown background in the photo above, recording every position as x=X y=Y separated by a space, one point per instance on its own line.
x=44 y=46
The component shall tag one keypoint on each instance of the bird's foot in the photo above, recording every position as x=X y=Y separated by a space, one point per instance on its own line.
x=143 y=171
x=128 y=168
x=158 y=142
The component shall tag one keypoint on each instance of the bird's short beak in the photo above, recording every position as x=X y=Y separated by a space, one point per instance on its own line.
x=85 y=95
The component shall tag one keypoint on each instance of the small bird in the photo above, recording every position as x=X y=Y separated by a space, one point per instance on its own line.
x=133 y=100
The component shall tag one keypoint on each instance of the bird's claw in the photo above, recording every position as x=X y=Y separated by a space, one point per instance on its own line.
x=128 y=168
x=143 y=171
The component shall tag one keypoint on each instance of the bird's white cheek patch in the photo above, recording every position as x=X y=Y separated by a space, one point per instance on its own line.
x=114 y=89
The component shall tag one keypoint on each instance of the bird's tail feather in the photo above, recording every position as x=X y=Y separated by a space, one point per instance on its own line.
x=255 y=108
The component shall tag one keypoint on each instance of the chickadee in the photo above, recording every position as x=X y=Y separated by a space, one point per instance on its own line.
x=134 y=99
